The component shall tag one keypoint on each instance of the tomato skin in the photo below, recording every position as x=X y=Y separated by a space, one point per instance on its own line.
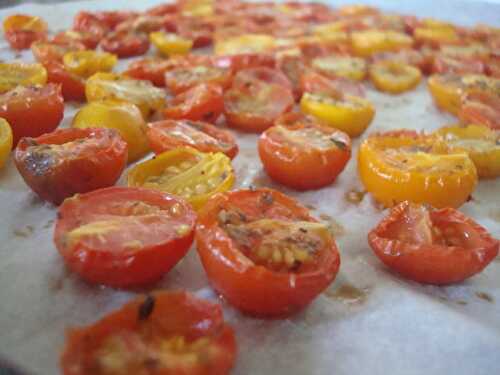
x=88 y=23
x=182 y=79
x=434 y=263
x=173 y=314
x=303 y=167
x=22 y=30
x=46 y=52
x=72 y=86
x=160 y=139
x=121 y=267
x=315 y=83
x=125 y=44
x=88 y=38
x=151 y=69
x=255 y=289
x=204 y=102
x=5 y=142
x=244 y=61
x=55 y=178
x=32 y=111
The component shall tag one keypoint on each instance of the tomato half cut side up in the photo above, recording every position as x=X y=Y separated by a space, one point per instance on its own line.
x=123 y=237
x=168 y=333
x=60 y=164
x=32 y=111
x=304 y=156
x=169 y=134
x=203 y=102
x=125 y=44
x=263 y=251
x=432 y=246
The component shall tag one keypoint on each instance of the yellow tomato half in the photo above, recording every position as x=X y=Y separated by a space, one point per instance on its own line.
x=104 y=86
x=481 y=143
x=21 y=74
x=185 y=172
x=122 y=116
x=86 y=63
x=369 y=42
x=246 y=43
x=351 y=114
x=353 y=68
x=403 y=165
x=394 y=77
x=6 y=141
x=170 y=44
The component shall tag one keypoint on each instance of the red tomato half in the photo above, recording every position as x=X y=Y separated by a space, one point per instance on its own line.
x=125 y=44
x=88 y=38
x=316 y=83
x=164 y=333
x=244 y=61
x=123 y=237
x=45 y=52
x=196 y=29
x=254 y=106
x=32 y=111
x=72 y=86
x=263 y=251
x=22 y=30
x=204 y=102
x=304 y=156
x=88 y=23
x=293 y=67
x=481 y=107
x=169 y=134
x=60 y=164
x=432 y=246
x=446 y=64
x=246 y=77
x=151 y=69
x=182 y=78
x=114 y=17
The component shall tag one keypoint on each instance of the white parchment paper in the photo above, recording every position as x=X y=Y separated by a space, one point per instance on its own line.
x=369 y=321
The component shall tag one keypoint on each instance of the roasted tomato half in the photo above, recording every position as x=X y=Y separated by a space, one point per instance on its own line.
x=22 y=30
x=47 y=52
x=351 y=114
x=72 y=86
x=151 y=69
x=432 y=246
x=447 y=64
x=253 y=104
x=169 y=134
x=369 y=42
x=394 y=77
x=60 y=164
x=104 y=86
x=86 y=63
x=32 y=111
x=182 y=79
x=6 y=141
x=481 y=143
x=481 y=107
x=185 y=172
x=122 y=116
x=125 y=43
x=123 y=237
x=403 y=165
x=263 y=251
x=170 y=44
x=315 y=83
x=89 y=39
x=354 y=68
x=242 y=61
x=21 y=74
x=167 y=333
x=203 y=102
x=304 y=156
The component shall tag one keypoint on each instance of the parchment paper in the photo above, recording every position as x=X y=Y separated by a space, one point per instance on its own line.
x=369 y=321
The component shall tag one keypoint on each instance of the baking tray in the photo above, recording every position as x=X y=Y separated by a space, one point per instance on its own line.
x=369 y=321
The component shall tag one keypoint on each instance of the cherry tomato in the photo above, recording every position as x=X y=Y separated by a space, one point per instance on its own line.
x=6 y=141
x=182 y=79
x=163 y=333
x=47 y=52
x=369 y=42
x=123 y=237
x=125 y=117
x=405 y=56
x=86 y=22
x=446 y=64
x=151 y=69
x=394 y=77
x=170 y=44
x=60 y=164
x=293 y=67
x=196 y=29
x=125 y=43
x=22 y=30
x=162 y=9
x=15 y=74
x=253 y=106
x=104 y=86
x=353 y=68
x=481 y=143
x=315 y=83
x=403 y=165
x=89 y=39
x=246 y=43
x=481 y=107
x=432 y=246
x=244 y=61
x=304 y=156
x=436 y=37
x=291 y=119
x=169 y=134
x=86 y=63
x=203 y=102
x=32 y=111
x=185 y=172
x=114 y=17
x=72 y=86
x=350 y=114
x=263 y=251
x=143 y=24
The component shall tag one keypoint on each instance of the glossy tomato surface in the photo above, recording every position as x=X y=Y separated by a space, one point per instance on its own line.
x=60 y=164
x=123 y=237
